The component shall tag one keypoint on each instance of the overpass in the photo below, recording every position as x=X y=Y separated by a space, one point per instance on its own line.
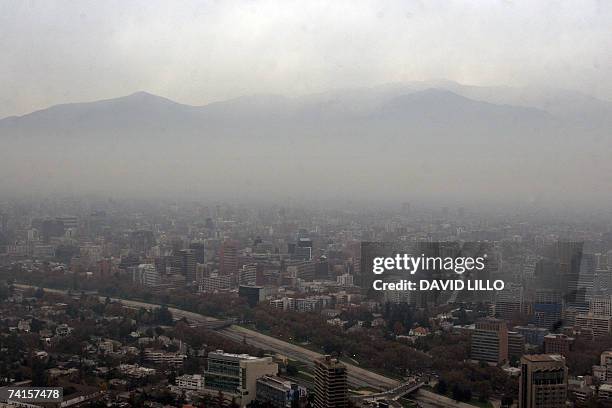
x=393 y=394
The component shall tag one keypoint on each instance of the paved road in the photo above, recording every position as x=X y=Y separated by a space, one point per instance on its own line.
x=428 y=398
x=357 y=376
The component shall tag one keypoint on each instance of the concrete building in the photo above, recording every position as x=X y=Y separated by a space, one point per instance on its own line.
x=605 y=393
x=228 y=258
x=598 y=325
x=278 y=392
x=252 y=294
x=146 y=275
x=248 y=274
x=188 y=264
x=188 y=382
x=236 y=375
x=516 y=345
x=490 y=341
x=301 y=270
x=555 y=343
x=215 y=282
x=600 y=305
x=330 y=383
x=509 y=302
x=533 y=335
x=164 y=358
x=543 y=381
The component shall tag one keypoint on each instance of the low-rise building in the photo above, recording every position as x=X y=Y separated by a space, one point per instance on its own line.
x=278 y=392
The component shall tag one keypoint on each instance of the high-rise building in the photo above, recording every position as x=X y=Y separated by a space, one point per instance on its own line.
x=509 y=302
x=516 y=344
x=199 y=250
x=547 y=308
x=543 y=382
x=330 y=383
x=490 y=341
x=228 y=258
x=236 y=375
x=188 y=264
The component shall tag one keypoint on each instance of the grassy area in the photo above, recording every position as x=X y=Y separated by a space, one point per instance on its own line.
x=476 y=402
x=406 y=403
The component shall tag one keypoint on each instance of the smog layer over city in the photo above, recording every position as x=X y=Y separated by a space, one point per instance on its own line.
x=313 y=204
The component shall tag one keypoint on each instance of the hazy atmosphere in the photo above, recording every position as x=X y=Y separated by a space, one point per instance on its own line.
x=385 y=100
x=306 y=204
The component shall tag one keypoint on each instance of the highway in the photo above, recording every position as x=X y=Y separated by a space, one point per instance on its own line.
x=357 y=376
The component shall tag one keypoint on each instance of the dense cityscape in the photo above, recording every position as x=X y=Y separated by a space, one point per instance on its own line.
x=132 y=303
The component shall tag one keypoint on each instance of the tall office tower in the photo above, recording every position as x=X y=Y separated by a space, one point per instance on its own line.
x=516 y=345
x=330 y=383
x=322 y=268
x=543 y=382
x=354 y=254
x=529 y=269
x=490 y=341
x=509 y=302
x=3 y=223
x=569 y=257
x=228 y=258
x=199 y=251
x=188 y=265
x=588 y=266
x=547 y=308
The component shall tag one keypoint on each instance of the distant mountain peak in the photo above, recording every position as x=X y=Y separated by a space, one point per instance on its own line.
x=143 y=96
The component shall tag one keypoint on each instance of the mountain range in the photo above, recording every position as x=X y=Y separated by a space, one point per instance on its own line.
x=423 y=134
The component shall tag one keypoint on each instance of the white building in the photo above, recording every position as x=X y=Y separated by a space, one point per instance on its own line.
x=236 y=375
x=146 y=275
x=188 y=382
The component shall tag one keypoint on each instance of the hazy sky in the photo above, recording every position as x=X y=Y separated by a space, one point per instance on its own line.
x=200 y=51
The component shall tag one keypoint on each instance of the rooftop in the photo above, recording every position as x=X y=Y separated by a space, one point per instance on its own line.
x=541 y=358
